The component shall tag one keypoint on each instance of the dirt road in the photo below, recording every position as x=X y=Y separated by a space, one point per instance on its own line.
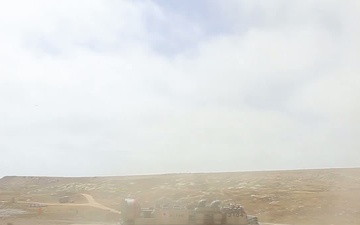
x=93 y=203
x=90 y=202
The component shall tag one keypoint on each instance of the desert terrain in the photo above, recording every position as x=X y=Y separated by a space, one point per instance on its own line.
x=298 y=197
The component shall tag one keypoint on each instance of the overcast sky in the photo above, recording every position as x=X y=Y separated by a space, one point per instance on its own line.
x=110 y=87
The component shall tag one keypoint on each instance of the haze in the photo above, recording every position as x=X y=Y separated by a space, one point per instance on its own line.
x=96 y=87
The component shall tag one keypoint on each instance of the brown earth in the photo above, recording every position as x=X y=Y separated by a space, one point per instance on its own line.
x=300 y=197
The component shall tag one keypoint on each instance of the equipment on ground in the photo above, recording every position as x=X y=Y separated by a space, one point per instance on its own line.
x=203 y=214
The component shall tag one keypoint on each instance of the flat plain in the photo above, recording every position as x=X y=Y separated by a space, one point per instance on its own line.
x=298 y=197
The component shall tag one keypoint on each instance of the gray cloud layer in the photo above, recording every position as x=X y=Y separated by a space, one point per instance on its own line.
x=122 y=87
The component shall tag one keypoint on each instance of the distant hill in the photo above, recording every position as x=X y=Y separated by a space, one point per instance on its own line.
x=304 y=196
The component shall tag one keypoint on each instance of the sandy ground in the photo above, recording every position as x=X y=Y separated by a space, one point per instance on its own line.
x=302 y=197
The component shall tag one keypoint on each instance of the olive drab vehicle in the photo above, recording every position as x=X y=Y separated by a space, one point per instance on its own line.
x=203 y=214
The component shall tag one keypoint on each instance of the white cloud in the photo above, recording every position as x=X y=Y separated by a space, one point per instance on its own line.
x=83 y=79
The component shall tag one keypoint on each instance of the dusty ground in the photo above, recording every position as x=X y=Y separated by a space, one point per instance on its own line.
x=302 y=197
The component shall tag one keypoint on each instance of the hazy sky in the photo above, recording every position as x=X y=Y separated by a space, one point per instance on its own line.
x=97 y=87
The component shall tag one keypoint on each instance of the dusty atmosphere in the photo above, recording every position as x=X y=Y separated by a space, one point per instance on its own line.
x=300 y=197
x=185 y=89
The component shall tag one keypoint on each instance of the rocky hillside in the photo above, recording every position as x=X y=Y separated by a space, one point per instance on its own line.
x=296 y=197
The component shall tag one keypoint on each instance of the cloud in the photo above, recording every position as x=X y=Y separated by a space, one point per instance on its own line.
x=121 y=87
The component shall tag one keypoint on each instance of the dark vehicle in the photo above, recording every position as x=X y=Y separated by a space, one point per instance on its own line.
x=64 y=199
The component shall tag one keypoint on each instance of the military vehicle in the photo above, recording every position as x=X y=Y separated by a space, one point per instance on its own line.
x=203 y=214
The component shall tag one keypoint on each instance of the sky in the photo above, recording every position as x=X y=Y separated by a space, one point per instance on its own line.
x=117 y=87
